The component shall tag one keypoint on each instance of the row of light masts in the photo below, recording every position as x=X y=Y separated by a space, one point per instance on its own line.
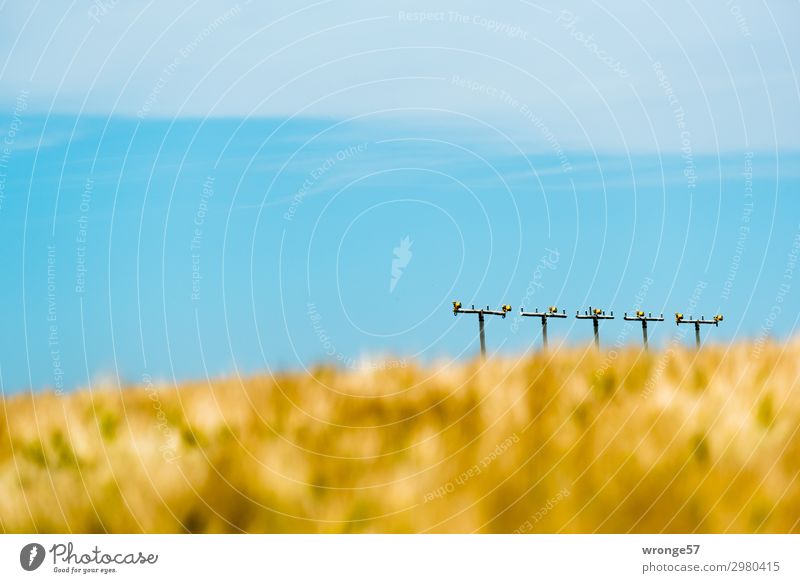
x=593 y=314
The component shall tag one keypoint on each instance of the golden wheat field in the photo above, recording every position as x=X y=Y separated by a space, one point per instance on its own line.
x=569 y=441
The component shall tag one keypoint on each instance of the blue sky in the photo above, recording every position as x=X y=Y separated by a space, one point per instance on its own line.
x=199 y=190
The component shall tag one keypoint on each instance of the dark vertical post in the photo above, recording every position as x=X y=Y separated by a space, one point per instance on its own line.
x=697 y=333
x=644 y=334
x=596 y=333
x=483 y=336
x=544 y=331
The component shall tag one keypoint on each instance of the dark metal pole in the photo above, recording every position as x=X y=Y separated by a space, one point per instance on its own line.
x=644 y=334
x=697 y=333
x=483 y=337
x=544 y=331
x=596 y=333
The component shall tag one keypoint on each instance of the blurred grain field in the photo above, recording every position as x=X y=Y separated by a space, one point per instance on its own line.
x=570 y=441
